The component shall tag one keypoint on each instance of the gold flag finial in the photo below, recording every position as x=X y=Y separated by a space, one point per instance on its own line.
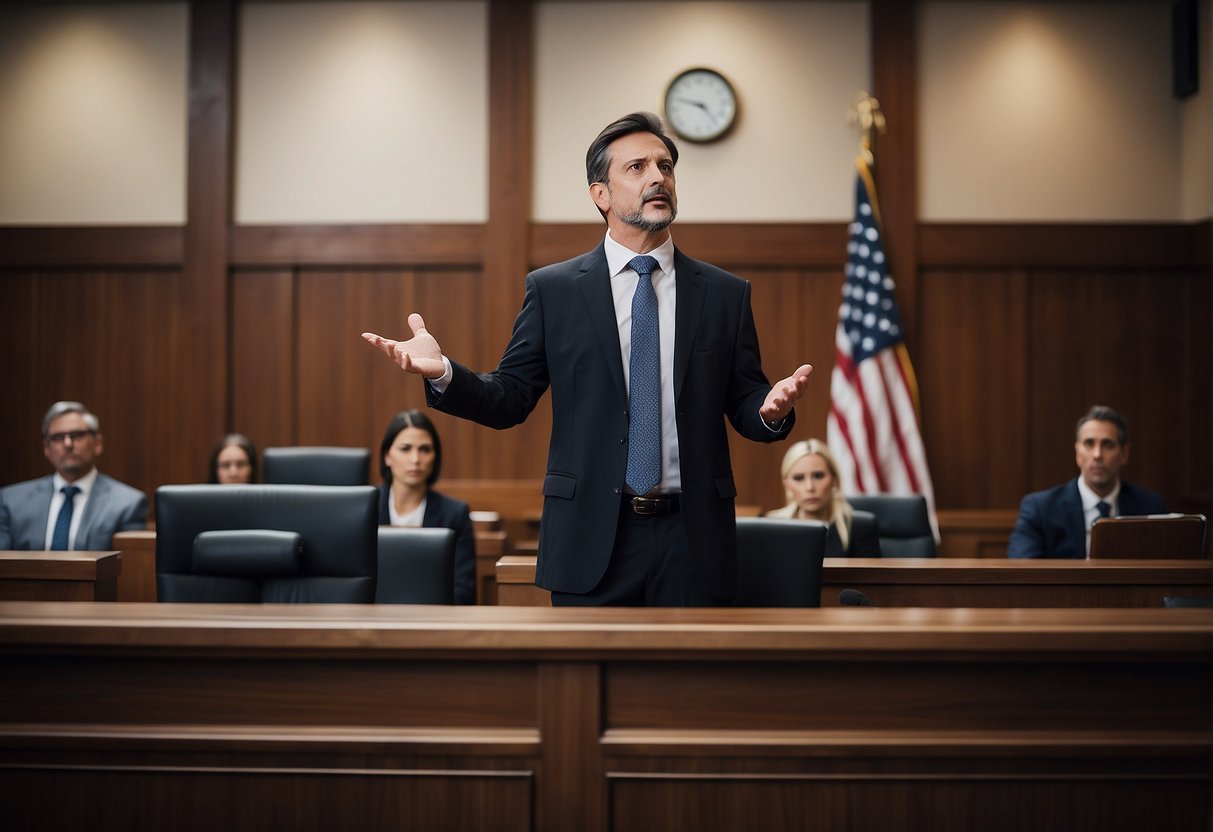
x=867 y=114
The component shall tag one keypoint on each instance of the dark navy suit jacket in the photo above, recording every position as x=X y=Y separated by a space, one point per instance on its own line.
x=1051 y=522
x=864 y=542
x=443 y=512
x=566 y=337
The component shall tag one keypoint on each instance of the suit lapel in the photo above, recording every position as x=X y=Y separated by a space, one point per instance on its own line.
x=95 y=507
x=687 y=311
x=595 y=283
x=1075 y=520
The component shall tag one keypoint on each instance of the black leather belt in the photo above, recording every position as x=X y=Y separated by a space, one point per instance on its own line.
x=649 y=506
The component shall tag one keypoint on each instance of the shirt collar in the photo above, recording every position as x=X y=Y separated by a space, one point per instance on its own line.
x=1090 y=498
x=85 y=483
x=618 y=256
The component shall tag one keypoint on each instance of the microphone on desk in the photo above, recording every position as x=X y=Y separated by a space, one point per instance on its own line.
x=854 y=598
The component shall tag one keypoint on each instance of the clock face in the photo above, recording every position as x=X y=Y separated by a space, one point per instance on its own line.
x=700 y=105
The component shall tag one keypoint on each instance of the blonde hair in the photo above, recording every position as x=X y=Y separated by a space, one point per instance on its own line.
x=840 y=510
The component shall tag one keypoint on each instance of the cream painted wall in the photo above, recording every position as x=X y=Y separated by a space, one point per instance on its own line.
x=377 y=111
x=93 y=114
x=1196 y=189
x=367 y=112
x=1048 y=112
x=796 y=67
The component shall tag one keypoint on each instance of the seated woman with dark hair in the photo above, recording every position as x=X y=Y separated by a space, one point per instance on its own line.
x=410 y=459
x=234 y=461
x=811 y=483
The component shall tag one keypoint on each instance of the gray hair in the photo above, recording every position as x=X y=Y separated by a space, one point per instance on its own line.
x=59 y=408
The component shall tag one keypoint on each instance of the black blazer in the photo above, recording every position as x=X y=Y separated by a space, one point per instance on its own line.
x=566 y=337
x=443 y=512
x=1051 y=523
x=865 y=538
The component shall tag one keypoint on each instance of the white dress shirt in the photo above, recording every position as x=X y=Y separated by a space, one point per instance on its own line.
x=623 y=287
x=85 y=484
x=1090 y=501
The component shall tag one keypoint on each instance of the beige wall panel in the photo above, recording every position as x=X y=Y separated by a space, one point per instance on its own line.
x=1197 y=159
x=92 y=114
x=796 y=67
x=362 y=113
x=1048 y=112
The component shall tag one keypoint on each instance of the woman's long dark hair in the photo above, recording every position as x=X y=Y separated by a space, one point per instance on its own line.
x=409 y=419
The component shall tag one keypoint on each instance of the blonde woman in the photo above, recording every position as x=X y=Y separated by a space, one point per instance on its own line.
x=810 y=481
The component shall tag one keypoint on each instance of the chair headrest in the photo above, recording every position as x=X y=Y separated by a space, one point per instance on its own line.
x=248 y=552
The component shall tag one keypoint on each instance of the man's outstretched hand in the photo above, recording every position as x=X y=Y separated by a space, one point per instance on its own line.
x=420 y=354
x=784 y=394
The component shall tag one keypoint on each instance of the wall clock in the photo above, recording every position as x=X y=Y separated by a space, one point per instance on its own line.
x=700 y=105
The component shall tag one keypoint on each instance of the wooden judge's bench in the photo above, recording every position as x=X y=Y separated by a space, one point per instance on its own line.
x=206 y=717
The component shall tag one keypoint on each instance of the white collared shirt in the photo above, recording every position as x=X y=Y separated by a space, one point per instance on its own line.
x=85 y=484
x=623 y=287
x=1090 y=501
x=413 y=518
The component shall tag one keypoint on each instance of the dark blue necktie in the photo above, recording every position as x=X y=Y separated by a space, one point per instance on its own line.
x=1105 y=510
x=644 y=383
x=63 y=523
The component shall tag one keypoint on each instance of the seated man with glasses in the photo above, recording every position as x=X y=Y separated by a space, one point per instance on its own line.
x=77 y=507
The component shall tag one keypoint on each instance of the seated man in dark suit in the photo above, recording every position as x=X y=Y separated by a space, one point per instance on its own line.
x=1056 y=523
x=77 y=507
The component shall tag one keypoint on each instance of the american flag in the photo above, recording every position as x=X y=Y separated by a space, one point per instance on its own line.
x=872 y=428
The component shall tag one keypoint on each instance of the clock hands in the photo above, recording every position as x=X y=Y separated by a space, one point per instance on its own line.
x=698 y=104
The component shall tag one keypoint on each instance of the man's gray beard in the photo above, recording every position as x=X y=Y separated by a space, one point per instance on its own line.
x=637 y=220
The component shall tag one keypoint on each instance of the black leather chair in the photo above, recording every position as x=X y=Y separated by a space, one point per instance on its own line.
x=779 y=562
x=316 y=465
x=416 y=566
x=1179 y=601
x=905 y=526
x=266 y=543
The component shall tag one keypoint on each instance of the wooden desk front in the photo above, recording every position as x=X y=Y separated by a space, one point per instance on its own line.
x=962 y=582
x=59 y=576
x=322 y=717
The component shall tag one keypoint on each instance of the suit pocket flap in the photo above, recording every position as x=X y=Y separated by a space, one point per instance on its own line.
x=726 y=488
x=559 y=485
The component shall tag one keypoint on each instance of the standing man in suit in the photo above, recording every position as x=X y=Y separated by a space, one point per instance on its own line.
x=1056 y=523
x=646 y=351
x=77 y=507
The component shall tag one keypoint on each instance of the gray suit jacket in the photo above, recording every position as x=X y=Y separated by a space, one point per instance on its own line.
x=112 y=507
x=566 y=340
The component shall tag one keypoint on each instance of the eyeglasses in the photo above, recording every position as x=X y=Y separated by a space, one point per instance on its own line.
x=74 y=435
x=233 y=463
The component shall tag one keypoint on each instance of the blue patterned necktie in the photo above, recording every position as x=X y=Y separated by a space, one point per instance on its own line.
x=1105 y=510
x=63 y=523
x=644 y=383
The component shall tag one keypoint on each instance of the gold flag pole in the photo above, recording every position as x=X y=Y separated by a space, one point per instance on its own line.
x=867 y=114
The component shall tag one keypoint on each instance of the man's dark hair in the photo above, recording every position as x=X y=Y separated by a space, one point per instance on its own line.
x=597 y=164
x=409 y=419
x=1103 y=413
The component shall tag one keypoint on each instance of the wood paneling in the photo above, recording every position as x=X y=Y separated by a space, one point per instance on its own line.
x=101 y=246
x=557 y=719
x=176 y=335
x=353 y=245
x=974 y=380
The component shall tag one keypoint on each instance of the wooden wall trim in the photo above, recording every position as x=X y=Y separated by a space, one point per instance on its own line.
x=1063 y=245
x=511 y=116
x=895 y=84
x=358 y=245
x=799 y=245
x=37 y=247
x=204 y=285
